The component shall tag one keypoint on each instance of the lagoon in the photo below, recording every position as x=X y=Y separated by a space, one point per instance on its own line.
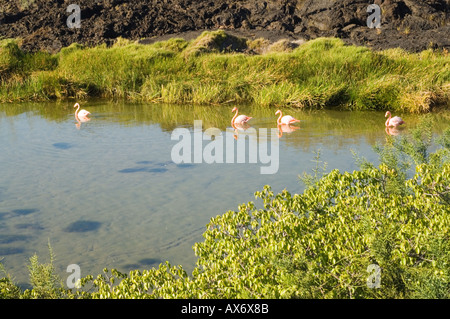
x=108 y=193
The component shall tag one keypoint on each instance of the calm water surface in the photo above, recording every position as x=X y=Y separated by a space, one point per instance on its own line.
x=108 y=194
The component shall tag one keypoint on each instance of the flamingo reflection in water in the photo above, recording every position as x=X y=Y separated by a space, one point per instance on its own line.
x=286 y=128
x=392 y=131
x=240 y=127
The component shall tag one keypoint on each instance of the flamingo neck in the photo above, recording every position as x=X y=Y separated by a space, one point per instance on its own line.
x=279 y=118
x=76 y=111
x=235 y=115
x=388 y=120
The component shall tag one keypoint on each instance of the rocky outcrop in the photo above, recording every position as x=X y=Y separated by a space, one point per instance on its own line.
x=410 y=24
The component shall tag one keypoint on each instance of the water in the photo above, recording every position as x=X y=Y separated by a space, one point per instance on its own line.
x=108 y=194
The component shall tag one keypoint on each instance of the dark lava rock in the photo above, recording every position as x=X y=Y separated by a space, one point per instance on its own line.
x=413 y=25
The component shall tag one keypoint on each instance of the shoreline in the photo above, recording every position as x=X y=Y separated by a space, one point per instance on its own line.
x=218 y=67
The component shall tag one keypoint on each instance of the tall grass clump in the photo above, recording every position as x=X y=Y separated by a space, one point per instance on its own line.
x=391 y=79
x=26 y=76
x=115 y=71
x=220 y=68
x=10 y=58
x=14 y=61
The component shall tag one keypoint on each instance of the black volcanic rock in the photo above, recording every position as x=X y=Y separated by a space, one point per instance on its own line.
x=410 y=24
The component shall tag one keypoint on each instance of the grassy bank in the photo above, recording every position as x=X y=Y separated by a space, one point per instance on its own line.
x=218 y=68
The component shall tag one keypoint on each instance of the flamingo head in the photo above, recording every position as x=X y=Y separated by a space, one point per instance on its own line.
x=76 y=105
x=277 y=112
x=387 y=114
x=234 y=109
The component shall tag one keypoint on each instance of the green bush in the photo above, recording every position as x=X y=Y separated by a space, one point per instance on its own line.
x=7 y=288
x=319 y=244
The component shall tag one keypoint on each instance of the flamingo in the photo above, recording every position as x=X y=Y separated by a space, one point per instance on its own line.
x=81 y=115
x=241 y=119
x=287 y=119
x=394 y=121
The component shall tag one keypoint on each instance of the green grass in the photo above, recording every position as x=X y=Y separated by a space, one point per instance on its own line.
x=217 y=68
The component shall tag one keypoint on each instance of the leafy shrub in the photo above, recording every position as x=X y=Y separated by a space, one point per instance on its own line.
x=318 y=244
x=7 y=288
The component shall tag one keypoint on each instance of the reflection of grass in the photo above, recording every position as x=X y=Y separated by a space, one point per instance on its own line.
x=331 y=128
x=209 y=70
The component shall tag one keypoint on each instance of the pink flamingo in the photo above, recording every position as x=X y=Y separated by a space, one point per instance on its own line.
x=241 y=119
x=394 y=121
x=81 y=115
x=287 y=119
